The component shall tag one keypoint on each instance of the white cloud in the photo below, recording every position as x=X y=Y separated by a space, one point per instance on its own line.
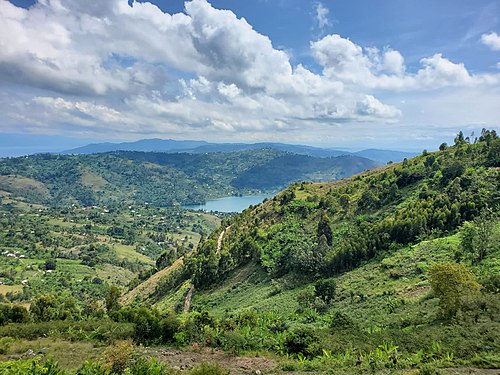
x=352 y=64
x=491 y=40
x=110 y=67
x=370 y=106
x=321 y=16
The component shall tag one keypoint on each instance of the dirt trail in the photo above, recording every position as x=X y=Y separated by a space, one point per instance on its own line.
x=189 y=297
x=221 y=237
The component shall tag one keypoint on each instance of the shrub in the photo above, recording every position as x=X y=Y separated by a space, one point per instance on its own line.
x=325 y=289
x=452 y=283
x=208 y=369
x=147 y=325
x=92 y=368
x=302 y=340
x=13 y=314
x=427 y=369
x=340 y=320
x=31 y=367
x=233 y=342
x=169 y=326
x=51 y=307
x=149 y=366
x=5 y=343
x=119 y=356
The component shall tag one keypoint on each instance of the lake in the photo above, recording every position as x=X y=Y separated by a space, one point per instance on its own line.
x=229 y=204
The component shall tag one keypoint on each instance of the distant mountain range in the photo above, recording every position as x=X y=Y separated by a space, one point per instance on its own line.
x=197 y=147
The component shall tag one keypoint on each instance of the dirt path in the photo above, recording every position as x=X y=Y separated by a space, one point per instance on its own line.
x=221 y=237
x=189 y=297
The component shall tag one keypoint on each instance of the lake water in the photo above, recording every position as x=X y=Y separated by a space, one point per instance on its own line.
x=229 y=204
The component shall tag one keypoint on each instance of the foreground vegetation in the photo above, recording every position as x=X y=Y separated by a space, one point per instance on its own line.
x=391 y=270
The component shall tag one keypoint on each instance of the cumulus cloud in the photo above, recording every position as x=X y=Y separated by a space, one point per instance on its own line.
x=491 y=40
x=113 y=66
x=343 y=60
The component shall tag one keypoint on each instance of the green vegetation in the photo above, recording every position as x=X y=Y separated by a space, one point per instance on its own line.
x=390 y=270
x=162 y=179
x=82 y=253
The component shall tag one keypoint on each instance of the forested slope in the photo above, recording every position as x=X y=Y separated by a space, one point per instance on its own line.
x=162 y=179
x=322 y=229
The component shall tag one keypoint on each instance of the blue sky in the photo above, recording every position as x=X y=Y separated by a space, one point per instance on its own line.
x=337 y=73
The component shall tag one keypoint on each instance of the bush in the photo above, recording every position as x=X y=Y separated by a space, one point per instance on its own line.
x=148 y=367
x=92 y=368
x=325 y=289
x=51 y=307
x=233 y=342
x=340 y=320
x=452 y=283
x=302 y=340
x=5 y=343
x=13 y=314
x=119 y=356
x=31 y=367
x=208 y=369
x=427 y=369
x=103 y=331
x=169 y=326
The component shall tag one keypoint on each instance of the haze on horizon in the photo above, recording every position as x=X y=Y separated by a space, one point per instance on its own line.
x=346 y=74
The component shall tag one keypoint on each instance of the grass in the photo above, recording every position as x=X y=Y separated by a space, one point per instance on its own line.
x=393 y=286
x=114 y=275
x=75 y=268
x=128 y=252
x=69 y=355
x=62 y=223
x=92 y=180
x=17 y=184
x=147 y=287
x=4 y=289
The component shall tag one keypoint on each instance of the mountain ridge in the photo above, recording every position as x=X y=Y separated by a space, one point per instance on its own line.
x=187 y=146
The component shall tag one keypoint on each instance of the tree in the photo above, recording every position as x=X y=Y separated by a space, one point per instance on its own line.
x=452 y=283
x=51 y=307
x=487 y=135
x=324 y=228
x=475 y=238
x=443 y=146
x=287 y=196
x=459 y=139
x=344 y=202
x=50 y=264
x=111 y=298
x=325 y=289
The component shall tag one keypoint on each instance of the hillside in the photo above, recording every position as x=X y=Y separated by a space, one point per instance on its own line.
x=355 y=219
x=162 y=179
x=347 y=264
x=393 y=270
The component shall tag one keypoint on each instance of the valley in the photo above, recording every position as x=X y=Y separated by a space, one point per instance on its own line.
x=391 y=270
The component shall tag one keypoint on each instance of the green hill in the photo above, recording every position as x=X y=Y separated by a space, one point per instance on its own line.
x=352 y=267
x=395 y=271
x=323 y=229
x=163 y=179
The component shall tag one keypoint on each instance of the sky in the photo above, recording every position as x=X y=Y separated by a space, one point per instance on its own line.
x=353 y=74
